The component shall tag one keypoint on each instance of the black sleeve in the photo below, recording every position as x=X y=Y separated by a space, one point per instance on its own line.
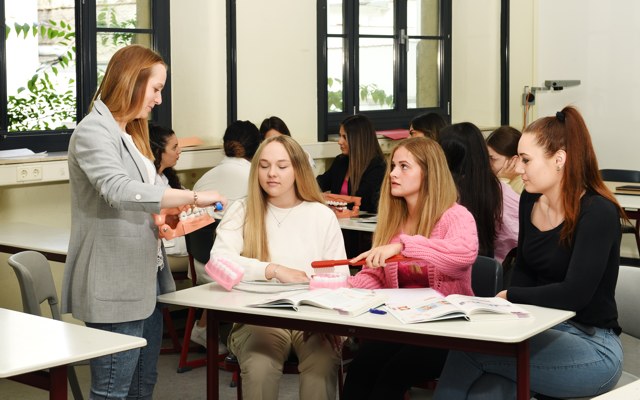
x=596 y=236
x=369 y=189
x=331 y=178
x=521 y=273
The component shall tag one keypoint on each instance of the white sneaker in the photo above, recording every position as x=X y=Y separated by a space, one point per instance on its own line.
x=199 y=336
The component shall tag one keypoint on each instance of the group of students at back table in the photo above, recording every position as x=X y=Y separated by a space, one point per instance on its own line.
x=438 y=201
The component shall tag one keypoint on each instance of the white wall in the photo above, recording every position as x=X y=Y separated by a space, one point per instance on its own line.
x=596 y=42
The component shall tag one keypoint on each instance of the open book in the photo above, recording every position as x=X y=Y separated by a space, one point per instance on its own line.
x=343 y=301
x=423 y=305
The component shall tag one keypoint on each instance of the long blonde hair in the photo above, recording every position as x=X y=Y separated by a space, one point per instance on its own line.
x=437 y=193
x=256 y=243
x=123 y=88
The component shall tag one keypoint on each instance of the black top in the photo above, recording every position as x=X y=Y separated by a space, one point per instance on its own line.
x=580 y=278
x=369 y=189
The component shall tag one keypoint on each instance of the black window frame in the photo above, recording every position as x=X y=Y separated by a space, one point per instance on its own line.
x=400 y=116
x=86 y=75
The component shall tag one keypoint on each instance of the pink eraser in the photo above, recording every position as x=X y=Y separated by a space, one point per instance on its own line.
x=224 y=271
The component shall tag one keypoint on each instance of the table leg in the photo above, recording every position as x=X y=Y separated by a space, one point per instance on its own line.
x=58 y=382
x=212 y=358
x=522 y=377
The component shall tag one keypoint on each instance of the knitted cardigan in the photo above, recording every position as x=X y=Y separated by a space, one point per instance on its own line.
x=446 y=256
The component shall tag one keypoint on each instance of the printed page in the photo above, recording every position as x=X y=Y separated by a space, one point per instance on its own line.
x=347 y=301
x=420 y=305
x=474 y=306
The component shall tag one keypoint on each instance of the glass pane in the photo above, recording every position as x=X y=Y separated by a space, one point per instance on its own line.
x=423 y=74
x=335 y=68
x=335 y=19
x=41 y=65
x=109 y=43
x=126 y=14
x=423 y=17
x=376 y=74
x=376 y=17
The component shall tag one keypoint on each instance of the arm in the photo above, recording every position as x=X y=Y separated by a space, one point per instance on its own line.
x=507 y=227
x=522 y=273
x=452 y=247
x=597 y=235
x=327 y=181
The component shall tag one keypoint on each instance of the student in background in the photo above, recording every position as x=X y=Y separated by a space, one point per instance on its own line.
x=503 y=155
x=231 y=177
x=568 y=257
x=166 y=152
x=419 y=218
x=275 y=233
x=359 y=170
x=427 y=125
x=274 y=126
x=116 y=265
x=493 y=204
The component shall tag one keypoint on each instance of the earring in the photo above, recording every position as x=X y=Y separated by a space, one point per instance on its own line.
x=557 y=168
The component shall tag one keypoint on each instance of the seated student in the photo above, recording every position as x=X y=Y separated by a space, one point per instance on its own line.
x=568 y=257
x=274 y=126
x=231 y=177
x=427 y=125
x=503 y=155
x=275 y=233
x=419 y=218
x=493 y=204
x=359 y=170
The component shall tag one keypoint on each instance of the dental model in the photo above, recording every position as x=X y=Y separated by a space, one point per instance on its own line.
x=225 y=272
x=189 y=219
x=340 y=204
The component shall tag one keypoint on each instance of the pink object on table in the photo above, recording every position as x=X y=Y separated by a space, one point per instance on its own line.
x=225 y=272
x=394 y=134
x=329 y=280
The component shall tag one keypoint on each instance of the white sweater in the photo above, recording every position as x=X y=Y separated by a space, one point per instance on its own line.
x=307 y=232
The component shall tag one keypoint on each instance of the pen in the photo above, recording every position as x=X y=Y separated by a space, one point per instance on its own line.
x=377 y=311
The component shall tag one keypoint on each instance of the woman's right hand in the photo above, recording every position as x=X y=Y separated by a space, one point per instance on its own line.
x=210 y=197
x=285 y=274
x=377 y=256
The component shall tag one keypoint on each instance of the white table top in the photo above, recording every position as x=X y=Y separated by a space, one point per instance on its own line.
x=36 y=237
x=630 y=391
x=354 y=225
x=31 y=343
x=213 y=296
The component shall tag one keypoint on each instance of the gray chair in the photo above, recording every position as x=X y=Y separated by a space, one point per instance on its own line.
x=631 y=176
x=628 y=301
x=37 y=286
x=486 y=277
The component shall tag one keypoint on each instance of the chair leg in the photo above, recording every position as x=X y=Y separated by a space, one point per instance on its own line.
x=73 y=382
x=184 y=364
x=171 y=331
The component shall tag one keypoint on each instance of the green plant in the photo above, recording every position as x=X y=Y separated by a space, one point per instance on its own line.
x=370 y=91
x=42 y=105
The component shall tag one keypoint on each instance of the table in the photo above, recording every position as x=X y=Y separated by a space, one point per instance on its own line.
x=354 y=225
x=509 y=338
x=30 y=344
x=630 y=391
x=51 y=241
x=627 y=199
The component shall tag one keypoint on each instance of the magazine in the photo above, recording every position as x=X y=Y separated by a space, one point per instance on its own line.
x=269 y=287
x=343 y=301
x=423 y=305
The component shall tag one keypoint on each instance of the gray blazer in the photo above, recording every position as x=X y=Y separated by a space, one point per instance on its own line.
x=111 y=273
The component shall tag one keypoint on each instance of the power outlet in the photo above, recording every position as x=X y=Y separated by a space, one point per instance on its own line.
x=29 y=173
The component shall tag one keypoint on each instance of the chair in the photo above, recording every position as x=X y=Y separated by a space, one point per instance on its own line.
x=486 y=277
x=632 y=176
x=36 y=286
x=627 y=300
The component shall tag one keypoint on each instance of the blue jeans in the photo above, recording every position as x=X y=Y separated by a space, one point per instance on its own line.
x=564 y=362
x=130 y=374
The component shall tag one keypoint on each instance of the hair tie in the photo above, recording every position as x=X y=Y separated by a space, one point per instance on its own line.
x=560 y=115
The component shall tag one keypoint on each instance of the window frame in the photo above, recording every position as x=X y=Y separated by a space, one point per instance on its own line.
x=400 y=116
x=86 y=75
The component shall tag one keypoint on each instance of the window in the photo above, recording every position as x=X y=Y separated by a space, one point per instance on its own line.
x=54 y=55
x=388 y=59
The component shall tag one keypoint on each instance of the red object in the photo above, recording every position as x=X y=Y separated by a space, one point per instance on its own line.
x=333 y=263
x=169 y=229
x=394 y=134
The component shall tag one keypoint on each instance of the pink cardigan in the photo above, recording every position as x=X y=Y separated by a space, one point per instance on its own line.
x=447 y=256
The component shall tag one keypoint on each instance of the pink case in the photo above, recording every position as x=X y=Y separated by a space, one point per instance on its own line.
x=328 y=280
x=225 y=272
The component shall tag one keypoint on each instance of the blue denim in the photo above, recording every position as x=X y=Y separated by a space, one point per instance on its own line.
x=130 y=374
x=564 y=362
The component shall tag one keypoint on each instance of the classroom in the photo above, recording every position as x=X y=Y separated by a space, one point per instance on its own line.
x=250 y=59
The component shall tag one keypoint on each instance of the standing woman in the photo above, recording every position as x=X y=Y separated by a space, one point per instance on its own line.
x=116 y=265
x=420 y=219
x=493 y=204
x=503 y=155
x=275 y=233
x=568 y=257
x=359 y=170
